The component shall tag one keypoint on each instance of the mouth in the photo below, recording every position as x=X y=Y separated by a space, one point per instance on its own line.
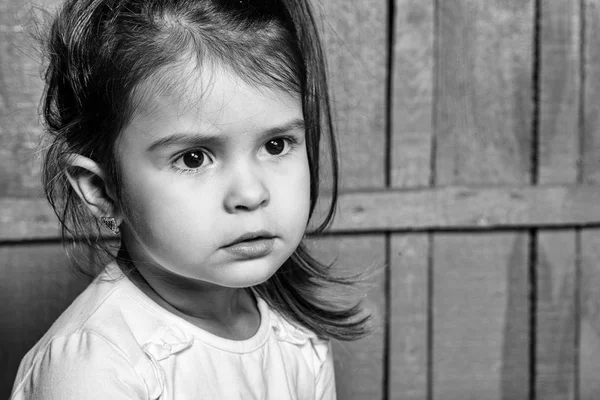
x=251 y=245
x=251 y=237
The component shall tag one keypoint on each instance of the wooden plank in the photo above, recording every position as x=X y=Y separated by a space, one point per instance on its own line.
x=560 y=87
x=355 y=37
x=589 y=327
x=359 y=365
x=483 y=121
x=469 y=207
x=409 y=302
x=481 y=316
x=27 y=218
x=412 y=93
x=37 y=285
x=558 y=153
x=484 y=86
x=556 y=321
x=440 y=208
x=591 y=91
x=411 y=146
x=20 y=91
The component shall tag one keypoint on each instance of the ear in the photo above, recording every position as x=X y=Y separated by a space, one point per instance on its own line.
x=90 y=184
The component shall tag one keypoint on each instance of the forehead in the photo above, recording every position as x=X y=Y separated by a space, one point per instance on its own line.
x=216 y=103
x=209 y=91
x=184 y=83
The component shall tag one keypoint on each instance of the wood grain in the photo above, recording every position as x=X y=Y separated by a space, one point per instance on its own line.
x=412 y=93
x=480 y=316
x=355 y=42
x=559 y=39
x=408 y=320
x=359 y=365
x=410 y=162
x=37 y=285
x=20 y=91
x=484 y=86
x=469 y=207
x=559 y=91
x=589 y=324
x=591 y=93
x=483 y=123
x=556 y=316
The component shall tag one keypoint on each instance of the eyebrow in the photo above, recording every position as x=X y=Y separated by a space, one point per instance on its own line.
x=197 y=139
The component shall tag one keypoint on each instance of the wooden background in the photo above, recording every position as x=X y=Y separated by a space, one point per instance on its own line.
x=470 y=139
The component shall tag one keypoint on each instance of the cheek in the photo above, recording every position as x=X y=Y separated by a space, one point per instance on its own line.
x=159 y=211
x=296 y=190
x=139 y=215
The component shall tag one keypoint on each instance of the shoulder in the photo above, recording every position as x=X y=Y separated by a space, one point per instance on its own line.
x=85 y=365
x=97 y=339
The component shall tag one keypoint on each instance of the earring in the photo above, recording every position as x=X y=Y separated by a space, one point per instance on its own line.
x=111 y=224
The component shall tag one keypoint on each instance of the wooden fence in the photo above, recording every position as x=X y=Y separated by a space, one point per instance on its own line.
x=470 y=140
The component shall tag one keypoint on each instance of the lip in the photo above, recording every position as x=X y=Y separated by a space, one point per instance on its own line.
x=262 y=234
x=251 y=245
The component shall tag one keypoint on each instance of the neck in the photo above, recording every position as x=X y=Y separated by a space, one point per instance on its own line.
x=227 y=312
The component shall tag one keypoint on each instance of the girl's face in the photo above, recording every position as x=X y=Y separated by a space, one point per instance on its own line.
x=215 y=182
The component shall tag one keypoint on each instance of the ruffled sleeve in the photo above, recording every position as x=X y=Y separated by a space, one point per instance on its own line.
x=86 y=366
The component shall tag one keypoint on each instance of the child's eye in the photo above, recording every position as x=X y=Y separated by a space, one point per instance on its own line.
x=275 y=146
x=279 y=146
x=191 y=160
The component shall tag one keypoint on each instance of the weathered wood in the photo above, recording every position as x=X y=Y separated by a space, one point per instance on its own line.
x=359 y=365
x=559 y=91
x=409 y=303
x=20 y=90
x=470 y=207
x=558 y=152
x=355 y=42
x=556 y=321
x=37 y=285
x=481 y=316
x=412 y=94
x=410 y=163
x=484 y=92
x=483 y=122
x=452 y=207
x=591 y=93
x=589 y=324
x=26 y=218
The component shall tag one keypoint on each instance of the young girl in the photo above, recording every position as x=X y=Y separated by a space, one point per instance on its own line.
x=191 y=129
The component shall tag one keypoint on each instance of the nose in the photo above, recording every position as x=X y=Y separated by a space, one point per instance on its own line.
x=246 y=190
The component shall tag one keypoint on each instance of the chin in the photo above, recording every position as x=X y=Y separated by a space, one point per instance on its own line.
x=249 y=273
x=246 y=282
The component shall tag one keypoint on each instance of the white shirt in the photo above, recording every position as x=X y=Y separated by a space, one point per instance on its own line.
x=113 y=342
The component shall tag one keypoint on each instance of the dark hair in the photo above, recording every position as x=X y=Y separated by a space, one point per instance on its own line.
x=100 y=51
